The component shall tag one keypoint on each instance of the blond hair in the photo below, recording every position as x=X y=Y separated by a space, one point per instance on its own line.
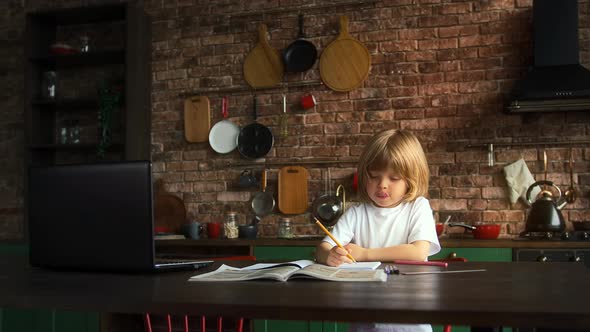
x=397 y=151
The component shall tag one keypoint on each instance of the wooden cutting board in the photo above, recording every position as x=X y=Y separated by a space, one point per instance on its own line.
x=293 y=189
x=263 y=66
x=169 y=209
x=345 y=62
x=197 y=119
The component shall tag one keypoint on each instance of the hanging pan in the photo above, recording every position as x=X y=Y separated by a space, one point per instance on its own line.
x=255 y=140
x=263 y=203
x=223 y=135
x=301 y=54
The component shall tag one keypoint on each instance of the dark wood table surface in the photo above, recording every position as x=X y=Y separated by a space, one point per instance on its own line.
x=507 y=294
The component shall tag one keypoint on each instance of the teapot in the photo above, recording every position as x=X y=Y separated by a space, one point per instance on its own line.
x=545 y=214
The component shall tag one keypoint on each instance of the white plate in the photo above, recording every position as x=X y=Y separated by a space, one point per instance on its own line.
x=223 y=136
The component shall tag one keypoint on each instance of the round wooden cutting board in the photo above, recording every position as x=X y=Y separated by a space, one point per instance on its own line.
x=263 y=66
x=345 y=62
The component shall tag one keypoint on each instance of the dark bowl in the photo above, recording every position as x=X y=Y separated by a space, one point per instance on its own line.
x=247 y=231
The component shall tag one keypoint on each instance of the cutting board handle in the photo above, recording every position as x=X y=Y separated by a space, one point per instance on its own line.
x=262 y=35
x=344 y=27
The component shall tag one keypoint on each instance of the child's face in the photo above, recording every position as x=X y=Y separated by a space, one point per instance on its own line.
x=385 y=188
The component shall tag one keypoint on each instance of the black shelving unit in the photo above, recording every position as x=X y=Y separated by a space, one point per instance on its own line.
x=124 y=56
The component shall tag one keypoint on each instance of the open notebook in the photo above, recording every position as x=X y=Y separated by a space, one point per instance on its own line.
x=94 y=217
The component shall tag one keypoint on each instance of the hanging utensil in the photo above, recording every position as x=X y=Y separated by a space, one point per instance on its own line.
x=283 y=126
x=345 y=62
x=263 y=66
x=570 y=194
x=197 y=119
x=255 y=140
x=301 y=54
x=223 y=135
x=263 y=202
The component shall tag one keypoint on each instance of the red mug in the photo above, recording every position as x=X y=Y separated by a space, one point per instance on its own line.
x=308 y=101
x=213 y=230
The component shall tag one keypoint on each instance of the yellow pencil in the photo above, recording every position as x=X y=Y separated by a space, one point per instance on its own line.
x=333 y=238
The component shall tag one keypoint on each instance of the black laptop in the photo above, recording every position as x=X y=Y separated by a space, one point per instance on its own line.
x=96 y=217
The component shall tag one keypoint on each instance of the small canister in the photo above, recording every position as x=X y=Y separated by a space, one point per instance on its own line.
x=230 y=227
x=285 y=229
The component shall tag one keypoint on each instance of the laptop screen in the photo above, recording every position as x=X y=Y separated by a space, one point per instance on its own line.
x=91 y=216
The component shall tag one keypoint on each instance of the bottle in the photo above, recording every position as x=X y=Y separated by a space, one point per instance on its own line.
x=48 y=86
x=84 y=44
x=285 y=230
x=230 y=228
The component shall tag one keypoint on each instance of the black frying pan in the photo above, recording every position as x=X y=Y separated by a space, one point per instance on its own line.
x=301 y=54
x=255 y=140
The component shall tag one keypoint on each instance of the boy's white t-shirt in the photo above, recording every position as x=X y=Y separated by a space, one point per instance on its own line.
x=373 y=227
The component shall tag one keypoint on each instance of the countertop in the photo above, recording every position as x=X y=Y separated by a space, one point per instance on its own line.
x=506 y=294
x=445 y=242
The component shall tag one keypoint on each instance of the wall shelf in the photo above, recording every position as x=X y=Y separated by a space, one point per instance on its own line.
x=303 y=8
x=249 y=89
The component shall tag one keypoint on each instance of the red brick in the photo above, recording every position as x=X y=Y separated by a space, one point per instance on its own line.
x=472 y=87
x=422 y=56
x=437 y=21
x=419 y=124
x=480 y=40
x=455 y=8
x=438 y=44
x=452 y=205
x=454 y=193
x=416 y=34
x=465 y=76
x=437 y=89
x=402 y=91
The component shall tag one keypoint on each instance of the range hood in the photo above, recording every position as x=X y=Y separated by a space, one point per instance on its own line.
x=557 y=81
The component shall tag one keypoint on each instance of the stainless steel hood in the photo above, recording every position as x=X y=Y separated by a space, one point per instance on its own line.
x=557 y=81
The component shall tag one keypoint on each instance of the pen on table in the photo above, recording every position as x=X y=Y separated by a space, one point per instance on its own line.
x=408 y=262
x=333 y=239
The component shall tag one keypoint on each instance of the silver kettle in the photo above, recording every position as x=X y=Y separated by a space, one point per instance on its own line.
x=545 y=214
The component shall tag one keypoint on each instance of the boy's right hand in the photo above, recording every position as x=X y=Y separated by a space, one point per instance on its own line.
x=337 y=256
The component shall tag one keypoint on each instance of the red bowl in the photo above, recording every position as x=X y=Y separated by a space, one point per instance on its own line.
x=62 y=49
x=439 y=229
x=487 y=231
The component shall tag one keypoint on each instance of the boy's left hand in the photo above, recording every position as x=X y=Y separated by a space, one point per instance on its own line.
x=359 y=253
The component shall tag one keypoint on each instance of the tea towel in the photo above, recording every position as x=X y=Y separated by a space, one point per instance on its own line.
x=519 y=179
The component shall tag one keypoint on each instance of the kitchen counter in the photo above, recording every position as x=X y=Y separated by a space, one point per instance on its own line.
x=445 y=242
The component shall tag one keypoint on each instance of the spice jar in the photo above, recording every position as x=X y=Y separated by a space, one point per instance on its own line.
x=230 y=227
x=285 y=230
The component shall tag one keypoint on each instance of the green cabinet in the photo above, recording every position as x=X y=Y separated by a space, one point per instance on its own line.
x=477 y=254
x=37 y=320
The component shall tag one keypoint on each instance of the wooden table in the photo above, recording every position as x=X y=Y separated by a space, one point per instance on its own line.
x=507 y=294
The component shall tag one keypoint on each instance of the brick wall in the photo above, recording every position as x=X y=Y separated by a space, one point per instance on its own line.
x=441 y=69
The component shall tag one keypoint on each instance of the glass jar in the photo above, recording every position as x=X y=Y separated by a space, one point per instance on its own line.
x=285 y=229
x=230 y=227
